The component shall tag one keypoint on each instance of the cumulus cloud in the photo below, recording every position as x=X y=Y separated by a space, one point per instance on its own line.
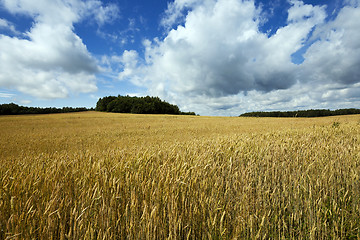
x=176 y=11
x=130 y=60
x=50 y=60
x=215 y=60
x=335 y=57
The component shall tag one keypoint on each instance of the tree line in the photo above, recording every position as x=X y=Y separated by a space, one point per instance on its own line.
x=304 y=113
x=138 y=105
x=14 y=109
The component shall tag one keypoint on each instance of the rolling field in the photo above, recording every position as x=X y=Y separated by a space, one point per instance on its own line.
x=98 y=175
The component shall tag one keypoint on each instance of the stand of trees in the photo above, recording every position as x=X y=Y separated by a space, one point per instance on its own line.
x=303 y=113
x=14 y=109
x=139 y=105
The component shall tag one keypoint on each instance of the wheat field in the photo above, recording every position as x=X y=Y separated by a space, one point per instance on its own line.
x=120 y=176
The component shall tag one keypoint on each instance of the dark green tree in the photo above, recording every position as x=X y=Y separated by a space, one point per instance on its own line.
x=138 y=105
x=102 y=103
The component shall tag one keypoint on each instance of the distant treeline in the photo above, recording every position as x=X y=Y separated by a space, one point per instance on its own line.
x=14 y=109
x=138 y=105
x=304 y=113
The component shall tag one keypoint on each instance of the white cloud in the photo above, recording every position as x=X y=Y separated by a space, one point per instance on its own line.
x=52 y=61
x=6 y=95
x=353 y=3
x=4 y=24
x=63 y=11
x=218 y=62
x=175 y=11
x=130 y=61
x=335 y=57
x=300 y=11
x=102 y=14
x=24 y=102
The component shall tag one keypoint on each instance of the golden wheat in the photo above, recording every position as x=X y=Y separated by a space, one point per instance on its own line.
x=116 y=176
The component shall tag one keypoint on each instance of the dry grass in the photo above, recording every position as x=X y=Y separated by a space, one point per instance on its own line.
x=115 y=176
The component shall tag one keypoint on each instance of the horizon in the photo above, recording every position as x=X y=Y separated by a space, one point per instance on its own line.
x=345 y=111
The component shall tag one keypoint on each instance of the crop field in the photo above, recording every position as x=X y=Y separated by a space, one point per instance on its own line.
x=99 y=175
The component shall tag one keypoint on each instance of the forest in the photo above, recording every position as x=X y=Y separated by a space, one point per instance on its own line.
x=138 y=105
x=14 y=109
x=304 y=113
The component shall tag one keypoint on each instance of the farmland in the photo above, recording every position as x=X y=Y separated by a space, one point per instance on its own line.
x=98 y=175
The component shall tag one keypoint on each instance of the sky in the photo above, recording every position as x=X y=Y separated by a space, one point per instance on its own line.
x=212 y=57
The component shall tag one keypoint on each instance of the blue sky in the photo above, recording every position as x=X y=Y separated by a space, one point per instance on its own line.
x=214 y=57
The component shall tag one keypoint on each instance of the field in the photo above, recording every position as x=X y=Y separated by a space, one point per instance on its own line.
x=120 y=176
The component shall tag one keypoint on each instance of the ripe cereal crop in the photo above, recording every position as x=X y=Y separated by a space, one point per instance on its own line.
x=99 y=175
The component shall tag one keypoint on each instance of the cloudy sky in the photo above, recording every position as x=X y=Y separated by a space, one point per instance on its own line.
x=214 y=57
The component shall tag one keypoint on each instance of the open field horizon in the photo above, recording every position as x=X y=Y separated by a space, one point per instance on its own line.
x=87 y=130
x=95 y=175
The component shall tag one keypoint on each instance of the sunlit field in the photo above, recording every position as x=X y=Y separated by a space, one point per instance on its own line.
x=120 y=176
